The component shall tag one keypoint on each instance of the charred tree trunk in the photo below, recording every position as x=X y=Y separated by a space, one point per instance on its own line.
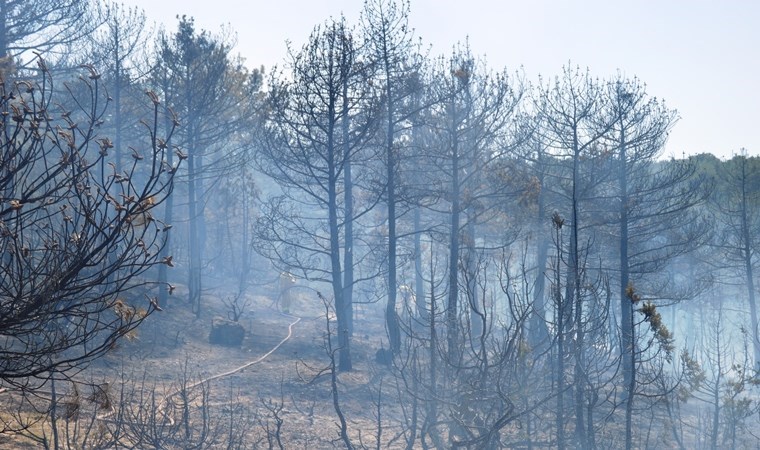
x=538 y=333
x=3 y=29
x=560 y=321
x=391 y=318
x=194 y=275
x=348 y=205
x=452 y=307
x=626 y=305
x=419 y=284
x=344 y=351
x=748 y=269
x=574 y=295
x=470 y=262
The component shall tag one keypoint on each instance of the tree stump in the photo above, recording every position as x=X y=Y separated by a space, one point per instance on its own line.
x=226 y=332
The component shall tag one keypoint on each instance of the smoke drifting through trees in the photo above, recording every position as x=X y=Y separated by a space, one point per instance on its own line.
x=526 y=267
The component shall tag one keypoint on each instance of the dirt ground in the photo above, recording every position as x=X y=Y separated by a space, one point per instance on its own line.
x=272 y=376
x=173 y=345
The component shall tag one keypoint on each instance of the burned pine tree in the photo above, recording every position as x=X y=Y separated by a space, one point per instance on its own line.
x=117 y=49
x=737 y=204
x=321 y=118
x=655 y=220
x=391 y=50
x=573 y=128
x=203 y=84
x=475 y=122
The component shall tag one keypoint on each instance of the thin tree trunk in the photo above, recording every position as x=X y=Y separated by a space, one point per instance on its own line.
x=54 y=412
x=626 y=304
x=419 y=283
x=748 y=269
x=560 y=322
x=194 y=281
x=3 y=29
x=245 y=258
x=579 y=381
x=431 y=418
x=452 y=308
x=538 y=332
x=476 y=323
x=117 y=108
x=348 y=200
x=716 y=396
x=194 y=275
x=391 y=318
x=344 y=350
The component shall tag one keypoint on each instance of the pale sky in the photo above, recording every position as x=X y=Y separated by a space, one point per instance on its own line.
x=702 y=57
